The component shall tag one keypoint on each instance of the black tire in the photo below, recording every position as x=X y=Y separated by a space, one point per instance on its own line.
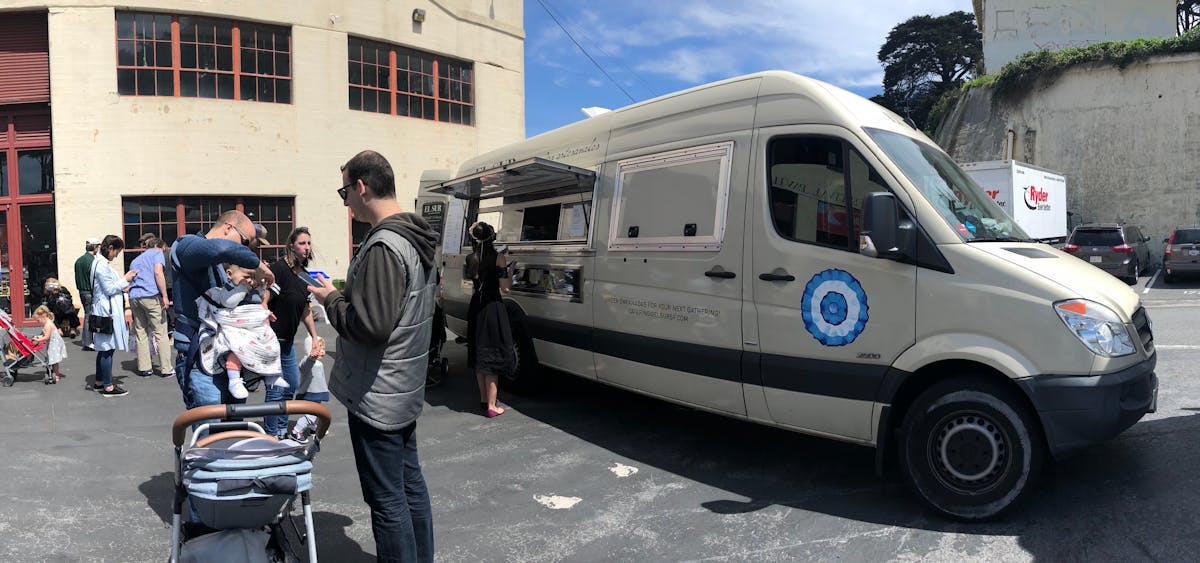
x=970 y=449
x=7 y=380
x=527 y=378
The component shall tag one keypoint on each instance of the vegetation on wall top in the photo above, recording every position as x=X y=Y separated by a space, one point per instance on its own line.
x=1019 y=76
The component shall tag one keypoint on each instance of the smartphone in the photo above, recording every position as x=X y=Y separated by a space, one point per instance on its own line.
x=309 y=280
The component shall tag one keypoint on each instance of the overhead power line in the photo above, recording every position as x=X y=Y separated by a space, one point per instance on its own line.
x=653 y=92
x=584 y=51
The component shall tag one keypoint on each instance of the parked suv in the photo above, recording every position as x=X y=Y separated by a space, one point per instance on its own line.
x=1182 y=254
x=1120 y=250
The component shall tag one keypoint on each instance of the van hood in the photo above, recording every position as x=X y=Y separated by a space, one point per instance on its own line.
x=1081 y=278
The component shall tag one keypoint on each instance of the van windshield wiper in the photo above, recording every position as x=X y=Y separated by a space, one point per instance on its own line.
x=1000 y=239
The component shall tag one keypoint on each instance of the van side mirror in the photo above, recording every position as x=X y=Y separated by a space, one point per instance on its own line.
x=885 y=234
x=1166 y=240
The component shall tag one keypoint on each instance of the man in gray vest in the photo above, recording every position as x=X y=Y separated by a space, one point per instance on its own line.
x=384 y=319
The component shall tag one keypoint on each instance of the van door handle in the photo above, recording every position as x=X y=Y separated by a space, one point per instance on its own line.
x=720 y=274
x=777 y=277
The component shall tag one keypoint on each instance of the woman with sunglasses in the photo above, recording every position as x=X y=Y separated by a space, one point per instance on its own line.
x=289 y=308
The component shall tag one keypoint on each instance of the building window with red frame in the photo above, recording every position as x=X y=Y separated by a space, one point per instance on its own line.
x=171 y=217
x=195 y=57
x=400 y=81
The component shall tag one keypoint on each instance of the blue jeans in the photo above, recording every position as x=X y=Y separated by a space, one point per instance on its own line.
x=199 y=388
x=277 y=425
x=394 y=488
x=104 y=367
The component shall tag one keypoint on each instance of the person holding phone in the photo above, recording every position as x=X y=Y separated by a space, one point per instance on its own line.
x=107 y=314
x=289 y=308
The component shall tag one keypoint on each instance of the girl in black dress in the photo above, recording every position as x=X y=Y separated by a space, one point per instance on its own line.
x=491 y=337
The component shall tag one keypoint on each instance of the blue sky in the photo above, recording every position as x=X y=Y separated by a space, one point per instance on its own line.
x=651 y=48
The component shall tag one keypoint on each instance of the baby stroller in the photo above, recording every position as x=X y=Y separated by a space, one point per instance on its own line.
x=58 y=299
x=439 y=366
x=21 y=352
x=241 y=484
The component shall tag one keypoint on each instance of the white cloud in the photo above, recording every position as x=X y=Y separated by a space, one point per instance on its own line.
x=692 y=65
x=704 y=40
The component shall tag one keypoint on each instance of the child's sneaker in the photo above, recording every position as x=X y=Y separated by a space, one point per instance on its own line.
x=237 y=388
x=304 y=428
x=298 y=435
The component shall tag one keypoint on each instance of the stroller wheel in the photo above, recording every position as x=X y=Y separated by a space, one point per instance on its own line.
x=7 y=380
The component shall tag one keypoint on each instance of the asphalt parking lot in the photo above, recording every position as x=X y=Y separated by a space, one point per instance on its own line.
x=583 y=472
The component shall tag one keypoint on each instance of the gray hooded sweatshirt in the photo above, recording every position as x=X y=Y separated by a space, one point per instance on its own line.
x=384 y=322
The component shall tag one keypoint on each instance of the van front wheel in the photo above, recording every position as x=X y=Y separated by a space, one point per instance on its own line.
x=970 y=449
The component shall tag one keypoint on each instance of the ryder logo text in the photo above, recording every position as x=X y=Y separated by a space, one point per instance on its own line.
x=1037 y=199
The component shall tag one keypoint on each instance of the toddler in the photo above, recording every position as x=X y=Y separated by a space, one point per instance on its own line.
x=240 y=331
x=312 y=387
x=56 y=350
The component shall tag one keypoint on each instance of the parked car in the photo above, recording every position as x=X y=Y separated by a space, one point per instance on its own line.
x=1120 y=250
x=1181 y=256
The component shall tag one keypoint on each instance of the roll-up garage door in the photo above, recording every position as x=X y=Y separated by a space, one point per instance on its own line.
x=24 y=58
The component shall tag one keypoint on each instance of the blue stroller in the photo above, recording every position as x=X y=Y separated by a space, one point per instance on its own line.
x=241 y=484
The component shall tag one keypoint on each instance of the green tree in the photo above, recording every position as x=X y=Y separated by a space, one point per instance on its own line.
x=924 y=57
x=1187 y=15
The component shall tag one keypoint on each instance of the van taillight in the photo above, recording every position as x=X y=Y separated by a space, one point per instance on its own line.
x=1122 y=248
x=1169 y=243
x=1071 y=247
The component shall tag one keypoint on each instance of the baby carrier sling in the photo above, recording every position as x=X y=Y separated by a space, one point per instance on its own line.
x=186 y=328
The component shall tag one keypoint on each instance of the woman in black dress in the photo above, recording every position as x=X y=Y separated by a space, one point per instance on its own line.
x=491 y=337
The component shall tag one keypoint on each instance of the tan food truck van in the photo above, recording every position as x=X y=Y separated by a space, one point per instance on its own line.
x=775 y=249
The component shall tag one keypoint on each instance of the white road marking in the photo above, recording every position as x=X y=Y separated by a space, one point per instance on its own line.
x=555 y=502
x=1151 y=281
x=623 y=470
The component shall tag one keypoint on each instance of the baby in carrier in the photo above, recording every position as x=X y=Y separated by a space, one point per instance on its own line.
x=239 y=331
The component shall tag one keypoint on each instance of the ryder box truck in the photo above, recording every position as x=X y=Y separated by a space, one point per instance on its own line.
x=1034 y=197
x=775 y=249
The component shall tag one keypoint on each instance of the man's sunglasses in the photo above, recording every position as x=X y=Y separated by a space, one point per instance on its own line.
x=342 y=191
x=245 y=239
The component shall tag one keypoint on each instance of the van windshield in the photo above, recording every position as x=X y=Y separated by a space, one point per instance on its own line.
x=961 y=202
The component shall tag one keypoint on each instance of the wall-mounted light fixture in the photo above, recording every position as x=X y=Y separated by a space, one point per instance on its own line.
x=419 y=15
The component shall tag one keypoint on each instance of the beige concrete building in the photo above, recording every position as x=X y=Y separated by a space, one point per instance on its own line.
x=156 y=115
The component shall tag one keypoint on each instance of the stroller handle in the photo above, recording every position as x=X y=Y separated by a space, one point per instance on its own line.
x=238 y=412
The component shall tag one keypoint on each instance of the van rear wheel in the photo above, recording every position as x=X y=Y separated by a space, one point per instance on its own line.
x=527 y=376
x=971 y=449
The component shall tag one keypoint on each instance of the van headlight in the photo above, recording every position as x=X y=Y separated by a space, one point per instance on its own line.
x=1097 y=326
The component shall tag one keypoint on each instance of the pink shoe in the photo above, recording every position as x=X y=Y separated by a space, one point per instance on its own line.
x=493 y=413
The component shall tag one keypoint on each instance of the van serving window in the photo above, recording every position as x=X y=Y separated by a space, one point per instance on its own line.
x=528 y=179
x=536 y=201
x=672 y=200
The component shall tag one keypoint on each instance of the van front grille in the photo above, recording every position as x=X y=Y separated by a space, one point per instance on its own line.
x=1141 y=322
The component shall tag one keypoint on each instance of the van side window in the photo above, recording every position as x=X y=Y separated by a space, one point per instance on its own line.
x=863 y=180
x=808 y=195
x=675 y=199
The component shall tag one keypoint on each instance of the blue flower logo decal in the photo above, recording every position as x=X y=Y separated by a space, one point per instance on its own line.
x=834 y=308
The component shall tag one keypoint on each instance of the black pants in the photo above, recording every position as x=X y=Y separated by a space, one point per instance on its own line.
x=394 y=488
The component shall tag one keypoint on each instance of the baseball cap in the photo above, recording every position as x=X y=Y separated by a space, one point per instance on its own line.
x=92 y=240
x=260 y=236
